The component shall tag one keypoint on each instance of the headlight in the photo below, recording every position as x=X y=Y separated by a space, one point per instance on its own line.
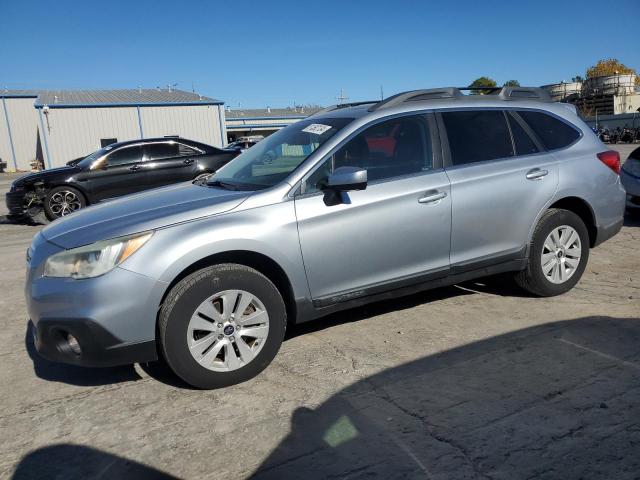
x=95 y=259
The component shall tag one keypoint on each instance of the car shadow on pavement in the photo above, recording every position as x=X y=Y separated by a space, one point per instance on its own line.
x=498 y=285
x=77 y=462
x=72 y=374
x=357 y=314
x=25 y=220
x=560 y=400
x=162 y=373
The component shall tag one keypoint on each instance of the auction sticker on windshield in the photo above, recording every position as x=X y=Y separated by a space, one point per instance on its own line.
x=316 y=128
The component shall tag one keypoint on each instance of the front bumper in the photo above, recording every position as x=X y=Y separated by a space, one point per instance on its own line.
x=15 y=202
x=99 y=348
x=631 y=184
x=113 y=316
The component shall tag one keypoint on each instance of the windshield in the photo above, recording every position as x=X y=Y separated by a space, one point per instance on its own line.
x=88 y=160
x=271 y=160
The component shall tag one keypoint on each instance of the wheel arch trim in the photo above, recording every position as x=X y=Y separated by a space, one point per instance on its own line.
x=572 y=203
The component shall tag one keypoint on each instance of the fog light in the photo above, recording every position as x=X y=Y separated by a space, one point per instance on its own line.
x=74 y=345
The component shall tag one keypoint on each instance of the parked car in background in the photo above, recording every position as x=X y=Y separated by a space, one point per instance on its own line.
x=630 y=176
x=116 y=170
x=310 y=221
x=244 y=143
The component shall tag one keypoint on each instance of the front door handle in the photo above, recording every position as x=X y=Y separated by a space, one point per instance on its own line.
x=536 y=174
x=188 y=161
x=432 y=197
x=134 y=167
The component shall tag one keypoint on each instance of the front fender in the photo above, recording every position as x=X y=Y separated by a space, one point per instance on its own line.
x=270 y=231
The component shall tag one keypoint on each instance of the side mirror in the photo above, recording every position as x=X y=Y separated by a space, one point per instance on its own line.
x=344 y=179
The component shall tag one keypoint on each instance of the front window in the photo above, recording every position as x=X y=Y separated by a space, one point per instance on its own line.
x=125 y=156
x=386 y=150
x=273 y=159
x=89 y=159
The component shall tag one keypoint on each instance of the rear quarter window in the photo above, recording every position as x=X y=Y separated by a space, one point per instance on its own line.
x=552 y=132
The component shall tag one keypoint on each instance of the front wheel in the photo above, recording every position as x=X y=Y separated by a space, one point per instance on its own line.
x=558 y=254
x=221 y=325
x=63 y=200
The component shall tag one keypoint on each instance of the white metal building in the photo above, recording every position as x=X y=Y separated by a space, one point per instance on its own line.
x=263 y=121
x=58 y=126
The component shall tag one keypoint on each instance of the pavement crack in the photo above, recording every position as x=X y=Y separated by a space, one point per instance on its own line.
x=431 y=430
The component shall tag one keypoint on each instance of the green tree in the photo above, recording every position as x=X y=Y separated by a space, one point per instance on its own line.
x=511 y=83
x=482 y=82
x=610 y=66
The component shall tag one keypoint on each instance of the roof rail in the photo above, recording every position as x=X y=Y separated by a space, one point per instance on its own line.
x=417 y=95
x=519 y=93
x=503 y=93
x=342 y=105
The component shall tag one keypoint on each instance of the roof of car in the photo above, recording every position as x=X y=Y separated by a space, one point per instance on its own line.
x=441 y=97
x=160 y=139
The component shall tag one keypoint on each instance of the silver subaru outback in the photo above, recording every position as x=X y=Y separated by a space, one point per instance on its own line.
x=357 y=203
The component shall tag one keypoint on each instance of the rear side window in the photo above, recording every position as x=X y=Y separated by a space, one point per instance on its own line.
x=524 y=143
x=185 y=151
x=477 y=135
x=553 y=133
x=157 y=151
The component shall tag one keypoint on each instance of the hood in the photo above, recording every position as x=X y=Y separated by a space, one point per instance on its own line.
x=45 y=174
x=144 y=211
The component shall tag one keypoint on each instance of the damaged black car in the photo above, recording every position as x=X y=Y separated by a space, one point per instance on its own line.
x=115 y=170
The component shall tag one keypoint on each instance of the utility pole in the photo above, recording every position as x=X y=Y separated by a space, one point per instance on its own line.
x=342 y=97
x=381 y=93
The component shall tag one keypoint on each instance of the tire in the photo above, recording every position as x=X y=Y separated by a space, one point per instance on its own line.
x=202 y=297
x=539 y=282
x=62 y=200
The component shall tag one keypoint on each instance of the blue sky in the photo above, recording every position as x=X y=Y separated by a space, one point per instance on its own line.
x=276 y=52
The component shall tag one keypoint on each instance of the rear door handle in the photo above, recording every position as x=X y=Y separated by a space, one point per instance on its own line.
x=432 y=197
x=536 y=174
x=134 y=167
x=188 y=161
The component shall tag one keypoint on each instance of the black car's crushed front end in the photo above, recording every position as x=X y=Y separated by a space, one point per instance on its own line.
x=24 y=200
x=16 y=203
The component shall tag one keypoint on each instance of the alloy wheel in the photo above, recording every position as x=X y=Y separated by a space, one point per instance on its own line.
x=64 y=202
x=227 y=330
x=561 y=254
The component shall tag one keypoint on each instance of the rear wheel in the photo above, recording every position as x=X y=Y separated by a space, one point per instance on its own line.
x=63 y=200
x=221 y=325
x=558 y=254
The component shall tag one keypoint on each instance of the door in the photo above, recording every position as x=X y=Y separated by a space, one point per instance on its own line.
x=118 y=174
x=394 y=233
x=170 y=162
x=500 y=180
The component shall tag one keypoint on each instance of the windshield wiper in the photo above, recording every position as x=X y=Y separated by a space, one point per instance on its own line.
x=222 y=184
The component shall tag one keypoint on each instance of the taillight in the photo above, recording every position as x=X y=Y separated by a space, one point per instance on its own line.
x=611 y=159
